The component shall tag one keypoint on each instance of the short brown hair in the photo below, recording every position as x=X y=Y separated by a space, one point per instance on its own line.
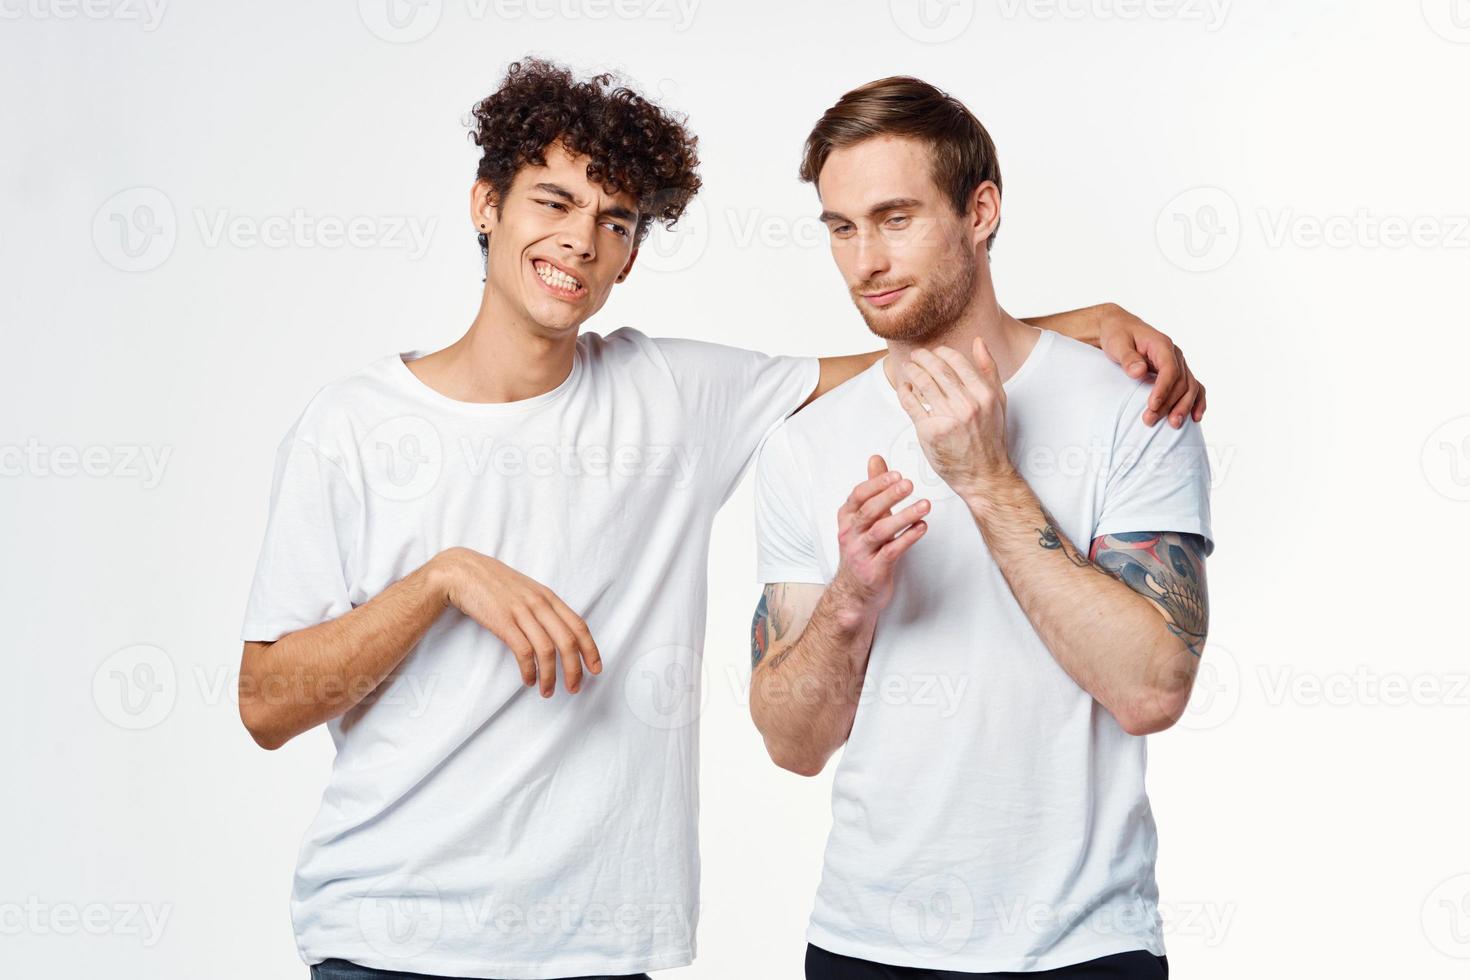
x=963 y=152
x=634 y=144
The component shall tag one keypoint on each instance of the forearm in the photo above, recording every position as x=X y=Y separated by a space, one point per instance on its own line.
x=313 y=675
x=1113 y=642
x=804 y=695
x=1085 y=324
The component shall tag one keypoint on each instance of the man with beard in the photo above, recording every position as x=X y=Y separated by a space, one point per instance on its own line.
x=450 y=530
x=991 y=653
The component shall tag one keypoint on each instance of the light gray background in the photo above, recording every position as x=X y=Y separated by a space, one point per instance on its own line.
x=1280 y=186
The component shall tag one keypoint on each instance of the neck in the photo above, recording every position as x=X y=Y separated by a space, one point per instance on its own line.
x=501 y=358
x=1008 y=339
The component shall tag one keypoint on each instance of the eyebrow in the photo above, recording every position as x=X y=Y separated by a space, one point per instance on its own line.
x=892 y=204
x=616 y=211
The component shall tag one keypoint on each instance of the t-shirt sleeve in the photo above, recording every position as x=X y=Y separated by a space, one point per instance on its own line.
x=301 y=578
x=786 y=547
x=1158 y=477
x=735 y=397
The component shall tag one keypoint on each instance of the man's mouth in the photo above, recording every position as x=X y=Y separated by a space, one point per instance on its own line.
x=885 y=298
x=557 y=280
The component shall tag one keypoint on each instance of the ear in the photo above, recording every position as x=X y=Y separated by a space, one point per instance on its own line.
x=984 y=212
x=632 y=257
x=483 y=207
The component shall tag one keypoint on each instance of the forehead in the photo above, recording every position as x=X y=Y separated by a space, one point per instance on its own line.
x=569 y=170
x=877 y=169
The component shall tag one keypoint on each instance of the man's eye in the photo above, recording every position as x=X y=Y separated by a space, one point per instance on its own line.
x=619 y=229
x=555 y=205
x=842 y=230
x=898 y=221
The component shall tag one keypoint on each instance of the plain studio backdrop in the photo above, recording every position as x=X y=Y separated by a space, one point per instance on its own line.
x=212 y=210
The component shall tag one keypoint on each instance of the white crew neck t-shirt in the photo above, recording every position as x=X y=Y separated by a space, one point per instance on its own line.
x=470 y=827
x=988 y=814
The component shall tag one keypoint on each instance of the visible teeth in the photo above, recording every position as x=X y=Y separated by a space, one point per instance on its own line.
x=555 y=277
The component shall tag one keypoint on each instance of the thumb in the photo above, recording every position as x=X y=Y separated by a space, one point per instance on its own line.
x=876 y=466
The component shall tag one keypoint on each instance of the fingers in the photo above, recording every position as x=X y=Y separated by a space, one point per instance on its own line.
x=869 y=488
x=925 y=386
x=591 y=656
x=521 y=648
x=883 y=531
x=880 y=504
x=894 y=549
x=1168 y=386
x=876 y=466
x=1199 y=406
x=545 y=651
x=566 y=647
x=1184 y=407
x=985 y=364
x=909 y=399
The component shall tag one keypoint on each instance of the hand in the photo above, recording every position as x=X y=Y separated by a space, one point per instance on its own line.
x=959 y=413
x=526 y=615
x=1139 y=349
x=869 y=538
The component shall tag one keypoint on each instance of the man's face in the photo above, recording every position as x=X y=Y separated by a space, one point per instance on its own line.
x=559 y=242
x=910 y=262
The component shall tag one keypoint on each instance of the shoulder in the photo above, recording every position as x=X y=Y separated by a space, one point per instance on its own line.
x=1089 y=381
x=336 y=415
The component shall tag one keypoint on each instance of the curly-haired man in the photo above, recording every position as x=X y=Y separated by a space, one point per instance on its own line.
x=448 y=531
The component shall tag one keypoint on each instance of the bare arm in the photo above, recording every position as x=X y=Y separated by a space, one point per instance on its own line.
x=1132 y=344
x=313 y=675
x=810 y=643
x=1128 y=629
x=1128 y=626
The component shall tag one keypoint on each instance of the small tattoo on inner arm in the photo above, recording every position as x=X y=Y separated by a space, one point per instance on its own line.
x=1050 y=539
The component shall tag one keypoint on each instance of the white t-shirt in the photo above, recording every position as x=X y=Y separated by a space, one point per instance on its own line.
x=988 y=814
x=471 y=827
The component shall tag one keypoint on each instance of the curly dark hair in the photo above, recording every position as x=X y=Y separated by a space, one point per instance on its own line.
x=635 y=145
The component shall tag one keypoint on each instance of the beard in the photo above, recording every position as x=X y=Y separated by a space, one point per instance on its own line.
x=937 y=307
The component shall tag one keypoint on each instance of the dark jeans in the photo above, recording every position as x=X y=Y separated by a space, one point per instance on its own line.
x=343 y=970
x=1138 y=964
